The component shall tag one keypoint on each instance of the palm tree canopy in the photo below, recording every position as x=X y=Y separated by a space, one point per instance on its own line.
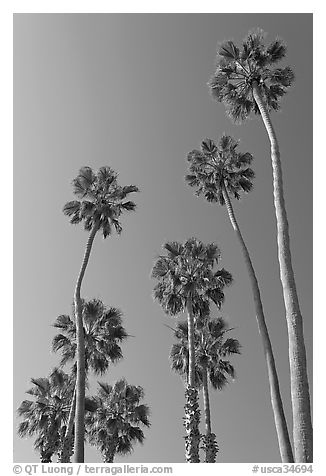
x=103 y=333
x=47 y=414
x=239 y=68
x=211 y=349
x=118 y=418
x=219 y=164
x=188 y=271
x=102 y=200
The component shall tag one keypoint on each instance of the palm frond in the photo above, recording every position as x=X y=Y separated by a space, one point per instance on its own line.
x=230 y=346
x=126 y=190
x=84 y=181
x=276 y=51
x=174 y=248
x=208 y=146
x=60 y=341
x=229 y=51
x=71 y=208
x=129 y=206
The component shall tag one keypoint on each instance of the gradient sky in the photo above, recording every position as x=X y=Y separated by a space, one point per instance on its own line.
x=129 y=91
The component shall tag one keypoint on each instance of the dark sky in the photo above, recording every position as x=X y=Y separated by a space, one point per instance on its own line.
x=129 y=91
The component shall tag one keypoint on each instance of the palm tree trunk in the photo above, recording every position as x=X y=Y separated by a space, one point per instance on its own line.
x=191 y=332
x=46 y=457
x=50 y=447
x=209 y=444
x=108 y=458
x=276 y=399
x=192 y=413
x=66 y=451
x=110 y=449
x=48 y=452
x=207 y=410
x=108 y=455
x=80 y=383
x=302 y=425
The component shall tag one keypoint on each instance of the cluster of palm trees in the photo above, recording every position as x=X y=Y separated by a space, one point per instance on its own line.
x=90 y=340
x=211 y=349
x=246 y=81
x=189 y=280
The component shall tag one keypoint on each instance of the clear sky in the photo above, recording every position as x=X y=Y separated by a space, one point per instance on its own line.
x=129 y=91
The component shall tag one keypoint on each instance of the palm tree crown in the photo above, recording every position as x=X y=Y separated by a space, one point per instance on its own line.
x=47 y=414
x=116 y=424
x=238 y=69
x=211 y=346
x=102 y=200
x=103 y=332
x=217 y=165
x=187 y=270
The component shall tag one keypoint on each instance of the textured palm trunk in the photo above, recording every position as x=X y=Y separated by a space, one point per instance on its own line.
x=191 y=333
x=46 y=457
x=302 y=425
x=67 y=447
x=209 y=444
x=50 y=447
x=110 y=450
x=108 y=456
x=80 y=383
x=276 y=399
x=207 y=410
x=47 y=453
x=192 y=413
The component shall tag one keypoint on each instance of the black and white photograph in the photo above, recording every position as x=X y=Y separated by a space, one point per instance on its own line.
x=163 y=239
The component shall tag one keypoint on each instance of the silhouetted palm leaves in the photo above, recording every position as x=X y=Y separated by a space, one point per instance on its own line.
x=217 y=165
x=102 y=200
x=211 y=347
x=117 y=423
x=187 y=270
x=46 y=415
x=239 y=68
x=103 y=332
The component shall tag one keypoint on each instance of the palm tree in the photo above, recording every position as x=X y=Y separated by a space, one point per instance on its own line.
x=211 y=348
x=102 y=201
x=47 y=414
x=118 y=420
x=247 y=81
x=188 y=281
x=219 y=171
x=103 y=333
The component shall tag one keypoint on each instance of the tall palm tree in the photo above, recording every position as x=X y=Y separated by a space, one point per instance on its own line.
x=118 y=420
x=211 y=349
x=188 y=281
x=219 y=171
x=246 y=80
x=47 y=414
x=103 y=333
x=102 y=201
